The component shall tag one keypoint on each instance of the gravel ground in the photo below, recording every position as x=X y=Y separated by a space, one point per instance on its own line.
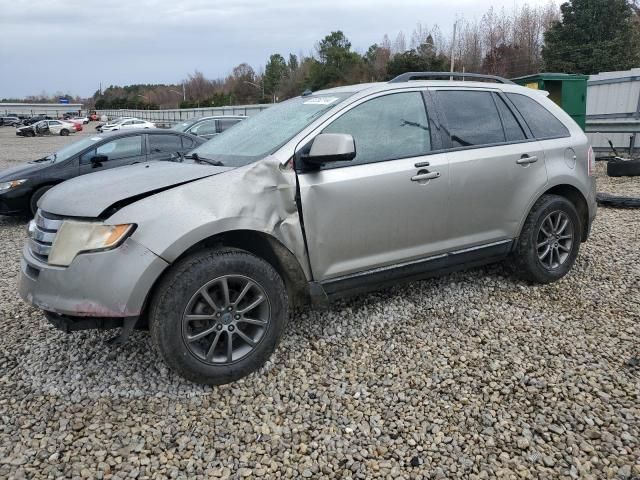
x=471 y=375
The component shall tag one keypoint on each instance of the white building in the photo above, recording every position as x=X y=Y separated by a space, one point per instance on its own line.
x=54 y=110
x=613 y=110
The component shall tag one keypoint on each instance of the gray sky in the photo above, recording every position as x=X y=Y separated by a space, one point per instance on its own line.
x=73 y=45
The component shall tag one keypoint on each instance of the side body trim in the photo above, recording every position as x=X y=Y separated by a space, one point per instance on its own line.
x=374 y=279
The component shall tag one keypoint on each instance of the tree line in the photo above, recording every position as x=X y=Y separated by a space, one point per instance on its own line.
x=582 y=36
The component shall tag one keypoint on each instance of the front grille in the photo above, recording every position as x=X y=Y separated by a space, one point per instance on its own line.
x=42 y=233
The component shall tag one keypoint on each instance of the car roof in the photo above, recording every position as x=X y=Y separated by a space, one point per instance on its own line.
x=154 y=131
x=383 y=86
x=213 y=117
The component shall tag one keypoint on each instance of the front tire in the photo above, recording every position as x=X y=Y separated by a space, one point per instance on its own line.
x=549 y=242
x=218 y=315
x=33 y=201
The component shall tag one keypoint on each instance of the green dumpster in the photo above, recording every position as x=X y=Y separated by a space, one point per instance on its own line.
x=569 y=91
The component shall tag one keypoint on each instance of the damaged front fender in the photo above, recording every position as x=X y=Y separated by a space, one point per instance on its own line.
x=260 y=197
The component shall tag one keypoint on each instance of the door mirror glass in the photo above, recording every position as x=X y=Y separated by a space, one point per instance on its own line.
x=331 y=147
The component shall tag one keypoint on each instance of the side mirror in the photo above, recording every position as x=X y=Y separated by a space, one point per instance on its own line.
x=97 y=160
x=331 y=147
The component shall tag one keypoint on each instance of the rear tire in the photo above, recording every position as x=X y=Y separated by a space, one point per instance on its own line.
x=623 y=168
x=37 y=195
x=202 y=321
x=64 y=132
x=549 y=241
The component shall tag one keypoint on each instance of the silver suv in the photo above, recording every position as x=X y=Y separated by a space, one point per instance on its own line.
x=326 y=195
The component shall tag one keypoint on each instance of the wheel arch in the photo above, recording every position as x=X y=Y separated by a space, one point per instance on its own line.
x=579 y=201
x=576 y=197
x=258 y=243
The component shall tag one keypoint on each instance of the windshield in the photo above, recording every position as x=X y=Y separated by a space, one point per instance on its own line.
x=263 y=134
x=183 y=126
x=72 y=149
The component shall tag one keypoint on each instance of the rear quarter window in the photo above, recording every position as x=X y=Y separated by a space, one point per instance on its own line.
x=542 y=122
x=188 y=143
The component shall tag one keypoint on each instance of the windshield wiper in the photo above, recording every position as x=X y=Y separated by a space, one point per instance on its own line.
x=198 y=158
x=45 y=159
x=413 y=124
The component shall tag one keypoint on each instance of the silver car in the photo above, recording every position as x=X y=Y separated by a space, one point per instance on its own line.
x=207 y=127
x=329 y=194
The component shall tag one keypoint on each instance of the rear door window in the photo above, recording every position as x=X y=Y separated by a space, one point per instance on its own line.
x=164 y=143
x=542 y=122
x=226 y=123
x=471 y=117
x=207 y=127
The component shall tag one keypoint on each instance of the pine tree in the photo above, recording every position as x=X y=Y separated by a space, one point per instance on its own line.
x=593 y=36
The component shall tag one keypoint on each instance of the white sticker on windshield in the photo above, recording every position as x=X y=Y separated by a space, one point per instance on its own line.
x=321 y=101
x=95 y=139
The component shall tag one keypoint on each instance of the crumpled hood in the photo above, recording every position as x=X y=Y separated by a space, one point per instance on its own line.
x=90 y=195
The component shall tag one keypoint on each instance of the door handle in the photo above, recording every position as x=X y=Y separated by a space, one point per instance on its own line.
x=526 y=160
x=425 y=176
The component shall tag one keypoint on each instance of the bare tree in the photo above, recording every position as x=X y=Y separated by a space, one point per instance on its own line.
x=400 y=45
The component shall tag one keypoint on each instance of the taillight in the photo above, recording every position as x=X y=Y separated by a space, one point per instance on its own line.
x=591 y=162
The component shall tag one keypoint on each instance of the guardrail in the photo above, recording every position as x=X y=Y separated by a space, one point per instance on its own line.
x=166 y=118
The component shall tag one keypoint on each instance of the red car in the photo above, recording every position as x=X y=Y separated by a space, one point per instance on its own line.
x=77 y=125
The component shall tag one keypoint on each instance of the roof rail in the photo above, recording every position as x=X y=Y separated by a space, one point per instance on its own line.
x=405 y=77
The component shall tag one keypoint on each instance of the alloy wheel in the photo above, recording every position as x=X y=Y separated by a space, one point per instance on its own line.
x=555 y=240
x=226 y=319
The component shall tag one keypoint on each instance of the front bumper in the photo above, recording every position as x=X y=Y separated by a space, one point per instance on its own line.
x=109 y=284
x=15 y=201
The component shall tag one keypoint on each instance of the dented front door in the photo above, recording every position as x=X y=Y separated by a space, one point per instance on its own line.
x=367 y=216
x=387 y=206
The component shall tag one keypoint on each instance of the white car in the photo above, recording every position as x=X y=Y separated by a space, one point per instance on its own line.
x=129 y=124
x=84 y=120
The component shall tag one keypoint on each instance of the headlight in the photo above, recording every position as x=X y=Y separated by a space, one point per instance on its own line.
x=12 y=184
x=78 y=237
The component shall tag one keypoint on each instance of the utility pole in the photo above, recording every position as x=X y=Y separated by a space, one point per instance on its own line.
x=184 y=93
x=453 y=46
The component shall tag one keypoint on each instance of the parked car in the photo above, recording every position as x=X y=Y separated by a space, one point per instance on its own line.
x=127 y=124
x=323 y=196
x=83 y=119
x=207 y=127
x=76 y=125
x=21 y=116
x=104 y=122
x=35 y=119
x=46 y=127
x=10 y=121
x=93 y=116
x=22 y=186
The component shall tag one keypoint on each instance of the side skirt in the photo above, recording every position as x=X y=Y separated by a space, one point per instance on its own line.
x=375 y=279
